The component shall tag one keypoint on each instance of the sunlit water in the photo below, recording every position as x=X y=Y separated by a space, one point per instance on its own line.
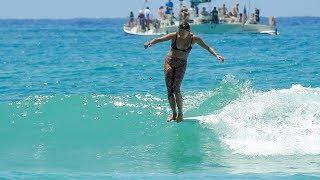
x=80 y=99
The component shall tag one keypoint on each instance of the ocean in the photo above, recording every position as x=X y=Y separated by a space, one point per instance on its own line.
x=79 y=99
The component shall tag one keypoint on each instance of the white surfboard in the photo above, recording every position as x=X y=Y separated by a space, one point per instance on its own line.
x=191 y=119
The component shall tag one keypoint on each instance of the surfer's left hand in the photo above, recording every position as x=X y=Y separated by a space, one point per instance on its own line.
x=146 y=45
x=220 y=58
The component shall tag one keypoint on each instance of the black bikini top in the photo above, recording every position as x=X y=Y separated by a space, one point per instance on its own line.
x=174 y=45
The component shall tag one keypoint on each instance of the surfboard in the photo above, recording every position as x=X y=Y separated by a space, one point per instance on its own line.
x=190 y=119
x=211 y=118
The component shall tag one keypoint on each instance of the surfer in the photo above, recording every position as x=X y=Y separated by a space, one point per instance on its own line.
x=176 y=62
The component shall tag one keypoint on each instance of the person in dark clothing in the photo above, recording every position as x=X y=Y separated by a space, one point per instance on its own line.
x=215 y=17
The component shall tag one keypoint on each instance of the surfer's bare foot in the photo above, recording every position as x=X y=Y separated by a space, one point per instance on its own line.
x=173 y=117
x=179 y=117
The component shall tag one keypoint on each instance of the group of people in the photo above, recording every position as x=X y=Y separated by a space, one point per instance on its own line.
x=145 y=17
x=217 y=14
x=165 y=13
x=232 y=16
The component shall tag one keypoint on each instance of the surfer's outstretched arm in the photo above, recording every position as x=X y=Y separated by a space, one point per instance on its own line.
x=208 y=48
x=160 y=39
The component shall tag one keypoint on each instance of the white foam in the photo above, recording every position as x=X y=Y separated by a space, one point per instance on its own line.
x=278 y=122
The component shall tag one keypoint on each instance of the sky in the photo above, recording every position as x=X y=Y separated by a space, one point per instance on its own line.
x=37 y=9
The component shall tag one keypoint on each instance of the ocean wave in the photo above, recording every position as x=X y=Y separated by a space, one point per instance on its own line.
x=277 y=122
x=247 y=122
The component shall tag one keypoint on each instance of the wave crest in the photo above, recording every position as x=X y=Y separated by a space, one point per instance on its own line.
x=278 y=122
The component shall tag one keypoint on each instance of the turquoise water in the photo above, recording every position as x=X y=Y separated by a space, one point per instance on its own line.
x=80 y=99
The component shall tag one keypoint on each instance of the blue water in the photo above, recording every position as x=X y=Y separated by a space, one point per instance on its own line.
x=80 y=99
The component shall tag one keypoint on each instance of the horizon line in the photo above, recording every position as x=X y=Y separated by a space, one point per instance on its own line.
x=76 y=18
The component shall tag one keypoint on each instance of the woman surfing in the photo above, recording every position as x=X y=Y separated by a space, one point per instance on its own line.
x=176 y=62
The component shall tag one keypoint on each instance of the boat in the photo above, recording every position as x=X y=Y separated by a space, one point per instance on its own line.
x=204 y=24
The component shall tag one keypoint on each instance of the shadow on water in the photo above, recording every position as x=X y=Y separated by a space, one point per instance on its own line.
x=185 y=152
x=194 y=148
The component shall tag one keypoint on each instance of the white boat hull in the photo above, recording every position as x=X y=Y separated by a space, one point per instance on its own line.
x=208 y=29
x=136 y=31
x=211 y=28
x=260 y=28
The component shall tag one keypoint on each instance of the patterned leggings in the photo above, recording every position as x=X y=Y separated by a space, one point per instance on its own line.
x=174 y=69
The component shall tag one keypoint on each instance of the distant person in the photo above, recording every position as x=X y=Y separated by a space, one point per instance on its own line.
x=156 y=24
x=240 y=19
x=215 y=16
x=252 y=19
x=142 y=20
x=148 y=16
x=224 y=10
x=197 y=11
x=257 y=15
x=184 y=14
x=204 y=12
x=131 y=19
x=176 y=63
x=235 y=10
x=272 y=21
x=169 y=6
x=244 y=19
x=167 y=12
x=161 y=13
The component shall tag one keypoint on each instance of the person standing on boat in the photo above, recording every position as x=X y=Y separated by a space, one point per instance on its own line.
x=176 y=62
x=204 y=12
x=147 y=15
x=240 y=19
x=197 y=11
x=167 y=13
x=169 y=6
x=142 y=20
x=257 y=15
x=131 y=20
x=272 y=21
x=224 y=10
x=215 y=16
x=235 y=10
x=161 y=15
x=184 y=14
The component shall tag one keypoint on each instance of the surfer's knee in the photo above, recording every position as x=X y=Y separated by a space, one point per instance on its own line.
x=176 y=92
x=170 y=95
x=176 y=89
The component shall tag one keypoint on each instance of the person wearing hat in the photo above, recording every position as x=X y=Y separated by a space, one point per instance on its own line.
x=176 y=62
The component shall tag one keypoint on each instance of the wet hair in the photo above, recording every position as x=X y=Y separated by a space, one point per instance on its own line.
x=185 y=26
